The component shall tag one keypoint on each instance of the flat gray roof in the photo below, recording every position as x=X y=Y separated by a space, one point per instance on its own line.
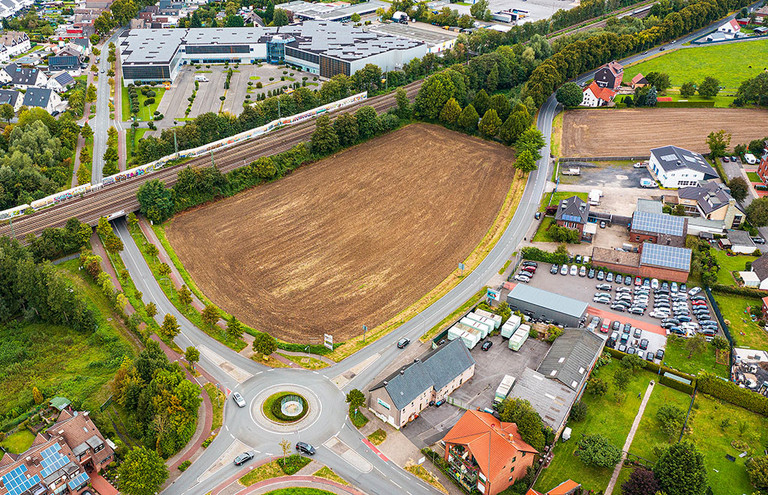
x=551 y=399
x=550 y=300
x=415 y=33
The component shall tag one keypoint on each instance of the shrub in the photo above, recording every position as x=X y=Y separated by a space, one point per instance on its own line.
x=595 y=450
x=730 y=392
x=184 y=465
x=579 y=412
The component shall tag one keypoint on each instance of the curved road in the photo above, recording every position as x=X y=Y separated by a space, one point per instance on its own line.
x=339 y=445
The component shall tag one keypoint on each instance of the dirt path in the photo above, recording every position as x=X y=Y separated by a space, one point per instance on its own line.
x=630 y=437
x=350 y=240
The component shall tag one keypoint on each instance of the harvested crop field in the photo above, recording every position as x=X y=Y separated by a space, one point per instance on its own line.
x=353 y=239
x=633 y=132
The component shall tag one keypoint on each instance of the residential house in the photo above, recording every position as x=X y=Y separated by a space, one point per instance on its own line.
x=22 y=77
x=676 y=167
x=639 y=81
x=596 y=96
x=59 y=459
x=5 y=57
x=83 y=45
x=16 y=42
x=730 y=29
x=571 y=358
x=486 y=454
x=568 y=487
x=43 y=98
x=68 y=58
x=610 y=75
x=11 y=97
x=760 y=267
x=401 y=396
x=572 y=213
x=740 y=242
x=60 y=82
x=658 y=228
x=712 y=201
x=762 y=169
x=761 y=14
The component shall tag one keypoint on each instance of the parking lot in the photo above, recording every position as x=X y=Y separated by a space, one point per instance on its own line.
x=207 y=99
x=584 y=289
x=490 y=368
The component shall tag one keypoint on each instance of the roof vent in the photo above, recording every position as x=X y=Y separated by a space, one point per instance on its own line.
x=386 y=383
x=417 y=360
x=402 y=372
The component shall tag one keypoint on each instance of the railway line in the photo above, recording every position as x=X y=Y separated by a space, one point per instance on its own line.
x=122 y=196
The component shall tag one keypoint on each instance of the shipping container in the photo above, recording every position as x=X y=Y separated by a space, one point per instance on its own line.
x=471 y=337
x=518 y=339
x=503 y=390
x=483 y=328
x=486 y=314
x=510 y=326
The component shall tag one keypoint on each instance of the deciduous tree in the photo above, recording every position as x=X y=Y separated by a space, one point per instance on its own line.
x=355 y=399
x=757 y=469
x=757 y=212
x=688 y=89
x=528 y=421
x=680 y=470
x=596 y=450
x=155 y=200
x=468 y=118
x=234 y=328
x=150 y=309
x=659 y=80
x=569 y=95
x=641 y=482
x=192 y=355
x=324 y=139
x=264 y=344
x=185 y=295
x=170 y=326
x=739 y=188
x=345 y=126
x=718 y=143
x=450 y=112
x=709 y=87
x=210 y=315
x=142 y=472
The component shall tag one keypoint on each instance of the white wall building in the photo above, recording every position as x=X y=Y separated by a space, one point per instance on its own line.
x=676 y=167
x=16 y=42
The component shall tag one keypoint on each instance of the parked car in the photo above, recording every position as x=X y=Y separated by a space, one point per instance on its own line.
x=627 y=328
x=537 y=216
x=238 y=399
x=601 y=275
x=583 y=271
x=758 y=240
x=530 y=263
x=619 y=279
x=618 y=307
x=609 y=277
x=638 y=281
x=649 y=356
x=486 y=345
x=564 y=269
x=605 y=326
x=644 y=344
x=305 y=448
x=623 y=347
x=602 y=224
x=530 y=269
x=694 y=291
x=574 y=270
x=578 y=259
x=591 y=273
x=554 y=269
x=631 y=350
x=603 y=287
x=655 y=283
x=403 y=343
x=628 y=280
x=726 y=159
x=243 y=458
x=660 y=354
x=616 y=326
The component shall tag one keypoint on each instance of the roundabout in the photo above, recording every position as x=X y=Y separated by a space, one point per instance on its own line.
x=285 y=407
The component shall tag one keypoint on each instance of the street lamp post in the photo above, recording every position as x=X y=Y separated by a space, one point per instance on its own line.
x=175 y=143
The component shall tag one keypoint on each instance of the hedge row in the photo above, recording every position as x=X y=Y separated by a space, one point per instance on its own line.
x=536 y=254
x=653 y=367
x=730 y=392
x=739 y=291
x=685 y=104
x=277 y=411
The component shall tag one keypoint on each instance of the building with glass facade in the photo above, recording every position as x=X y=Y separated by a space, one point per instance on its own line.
x=321 y=47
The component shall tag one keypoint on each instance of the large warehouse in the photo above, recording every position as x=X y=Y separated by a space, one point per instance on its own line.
x=547 y=305
x=320 y=47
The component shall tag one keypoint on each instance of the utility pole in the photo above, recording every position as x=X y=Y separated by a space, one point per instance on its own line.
x=175 y=143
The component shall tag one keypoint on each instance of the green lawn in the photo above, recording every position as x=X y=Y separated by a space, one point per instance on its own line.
x=753 y=177
x=145 y=112
x=299 y=491
x=558 y=196
x=604 y=416
x=729 y=63
x=676 y=355
x=649 y=433
x=714 y=441
x=137 y=137
x=744 y=331
x=18 y=442
x=541 y=233
x=729 y=264
x=61 y=361
x=721 y=100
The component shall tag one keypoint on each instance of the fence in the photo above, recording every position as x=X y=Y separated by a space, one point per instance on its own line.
x=721 y=321
x=458 y=403
x=604 y=158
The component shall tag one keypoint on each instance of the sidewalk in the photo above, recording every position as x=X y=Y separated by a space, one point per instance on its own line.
x=630 y=437
x=76 y=165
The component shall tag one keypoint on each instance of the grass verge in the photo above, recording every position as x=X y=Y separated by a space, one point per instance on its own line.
x=217 y=401
x=358 y=419
x=261 y=473
x=557 y=134
x=503 y=268
x=453 y=316
x=542 y=233
x=327 y=473
x=307 y=362
x=18 y=442
x=377 y=437
x=422 y=472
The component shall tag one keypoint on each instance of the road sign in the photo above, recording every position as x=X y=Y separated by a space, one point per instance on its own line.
x=493 y=294
x=328 y=341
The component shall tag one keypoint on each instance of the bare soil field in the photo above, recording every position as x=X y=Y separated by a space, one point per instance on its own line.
x=351 y=240
x=633 y=132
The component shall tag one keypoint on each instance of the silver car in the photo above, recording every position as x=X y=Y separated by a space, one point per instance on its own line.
x=238 y=399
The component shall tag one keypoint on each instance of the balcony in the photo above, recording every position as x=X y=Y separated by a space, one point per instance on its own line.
x=462 y=467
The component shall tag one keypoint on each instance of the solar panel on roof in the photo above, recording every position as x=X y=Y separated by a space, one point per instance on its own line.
x=668 y=158
x=53 y=460
x=658 y=222
x=78 y=481
x=666 y=256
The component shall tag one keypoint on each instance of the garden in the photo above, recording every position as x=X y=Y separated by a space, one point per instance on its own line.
x=141 y=101
x=745 y=331
x=695 y=355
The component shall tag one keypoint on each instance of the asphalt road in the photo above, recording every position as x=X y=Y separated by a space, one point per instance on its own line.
x=366 y=469
x=101 y=121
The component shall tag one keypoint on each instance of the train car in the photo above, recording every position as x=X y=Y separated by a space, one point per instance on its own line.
x=14 y=212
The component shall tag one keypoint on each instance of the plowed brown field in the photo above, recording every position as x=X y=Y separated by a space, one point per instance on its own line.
x=632 y=132
x=350 y=240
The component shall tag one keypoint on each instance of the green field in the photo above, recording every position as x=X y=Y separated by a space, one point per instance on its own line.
x=137 y=137
x=541 y=233
x=676 y=355
x=729 y=63
x=714 y=441
x=744 y=331
x=61 y=361
x=649 y=433
x=604 y=416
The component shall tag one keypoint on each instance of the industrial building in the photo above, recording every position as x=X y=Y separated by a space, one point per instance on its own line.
x=653 y=261
x=307 y=11
x=539 y=303
x=321 y=47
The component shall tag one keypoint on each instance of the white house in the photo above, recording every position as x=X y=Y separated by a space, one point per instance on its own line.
x=60 y=82
x=760 y=268
x=676 y=167
x=730 y=29
x=595 y=96
x=11 y=97
x=22 y=77
x=43 y=98
x=16 y=42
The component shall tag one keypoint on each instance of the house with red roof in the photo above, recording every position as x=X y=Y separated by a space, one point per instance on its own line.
x=487 y=454
x=610 y=75
x=568 y=487
x=596 y=96
x=730 y=29
x=639 y=81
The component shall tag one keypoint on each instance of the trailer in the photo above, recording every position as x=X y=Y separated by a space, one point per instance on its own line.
x=487 y=314
x=518 y=339
x=510 y=326
x=471 y=338
x=503 y=389
x=571 y=171
x=479 y=322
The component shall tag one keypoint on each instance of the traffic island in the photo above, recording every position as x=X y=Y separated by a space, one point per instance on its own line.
x=285 y=407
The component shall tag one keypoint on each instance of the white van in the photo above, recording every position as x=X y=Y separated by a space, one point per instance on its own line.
x=201 y=78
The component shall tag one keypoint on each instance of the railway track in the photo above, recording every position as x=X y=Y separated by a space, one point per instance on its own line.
x=122 y=196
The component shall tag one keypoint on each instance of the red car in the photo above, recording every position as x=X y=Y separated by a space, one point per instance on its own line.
x=531 y=269
x=638 y=281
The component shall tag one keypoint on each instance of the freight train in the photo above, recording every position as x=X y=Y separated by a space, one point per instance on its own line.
x=141 y=170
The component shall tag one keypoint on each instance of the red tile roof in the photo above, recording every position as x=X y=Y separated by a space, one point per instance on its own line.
x=604 y=94
x=638 y=78
x=491 y=442
x=564 y=488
